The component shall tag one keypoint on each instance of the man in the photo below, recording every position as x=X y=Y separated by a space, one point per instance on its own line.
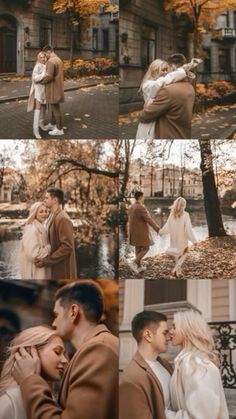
x=60 y=232
x=139 y=235
x=173 y=107
x=90 y=385
x=144 y=387
x=54 y=88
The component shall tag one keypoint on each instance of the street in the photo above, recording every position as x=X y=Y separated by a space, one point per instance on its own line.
x=90 y=112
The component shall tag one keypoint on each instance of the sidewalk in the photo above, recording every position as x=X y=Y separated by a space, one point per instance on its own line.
x=217 y=122
x=12 y=89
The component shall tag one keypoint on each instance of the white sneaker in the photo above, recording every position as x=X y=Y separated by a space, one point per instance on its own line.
x=133 y=266
x=142 y=269
x=56 y=131
x=51 y=126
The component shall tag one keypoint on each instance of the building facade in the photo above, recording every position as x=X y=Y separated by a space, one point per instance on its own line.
x=167 y=181
x=27 y=25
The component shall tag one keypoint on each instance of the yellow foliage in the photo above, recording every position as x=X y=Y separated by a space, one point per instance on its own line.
x=81 y=8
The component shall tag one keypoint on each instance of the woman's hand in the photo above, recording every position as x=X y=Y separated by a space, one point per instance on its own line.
x=26 y=364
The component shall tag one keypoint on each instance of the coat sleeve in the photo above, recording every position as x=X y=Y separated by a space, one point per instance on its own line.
x=7 y=410
x=189 y=230
x=38 y=76
x=156 y=108
x=32 y=246
x=91 y=387
x=144 y=214
x=50 y=72
x=202 y=390
x=133 y=403
x=65 y=234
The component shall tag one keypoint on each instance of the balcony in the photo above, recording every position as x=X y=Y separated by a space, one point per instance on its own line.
x=224 y=334
x=228 y=33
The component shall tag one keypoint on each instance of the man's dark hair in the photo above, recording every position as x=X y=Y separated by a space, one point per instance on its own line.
x=47 y=48
x=57 y=193
x=177 y=59
x=143 y=320
x=138 y=194
x=87 y=294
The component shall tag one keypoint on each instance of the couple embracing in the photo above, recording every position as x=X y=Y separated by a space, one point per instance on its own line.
x=37 y=358
x=178 y=226
x=47 y=246
x=47 y=89
x=169 y=98
x=152 y=389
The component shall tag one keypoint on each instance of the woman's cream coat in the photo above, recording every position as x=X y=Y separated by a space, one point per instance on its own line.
x=196 y=389
x=34 y=245
x=11 y=404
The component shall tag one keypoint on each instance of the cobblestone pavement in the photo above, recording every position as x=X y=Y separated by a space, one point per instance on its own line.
x=217 y=122
x=90 y=112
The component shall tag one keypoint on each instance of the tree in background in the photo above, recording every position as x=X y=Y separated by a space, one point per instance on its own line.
x=202 y=14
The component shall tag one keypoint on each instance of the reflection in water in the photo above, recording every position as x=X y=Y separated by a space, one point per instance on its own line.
x=200 y=229
x=93 y=261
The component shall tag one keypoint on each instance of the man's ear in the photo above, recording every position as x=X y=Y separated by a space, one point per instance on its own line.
x=147 y=335
x=75 y=313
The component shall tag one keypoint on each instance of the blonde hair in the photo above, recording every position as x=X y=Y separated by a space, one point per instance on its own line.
x=33 y=211
x=178 y=207
x=156 y=69
x=41 y=52
x=37 y=336
x=197 y=337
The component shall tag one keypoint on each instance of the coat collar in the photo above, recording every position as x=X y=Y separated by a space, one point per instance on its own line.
x=143 y=364
x=100 y=328
x=52 y=218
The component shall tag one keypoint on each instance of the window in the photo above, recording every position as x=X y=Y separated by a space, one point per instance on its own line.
x=148 y=45
x=224 y=60
x=105 y=36
x=45 y=32
x=207 y=60
x=95 y=39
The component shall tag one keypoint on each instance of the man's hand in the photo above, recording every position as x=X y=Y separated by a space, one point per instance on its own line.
x=25 y=364
x=39 y=263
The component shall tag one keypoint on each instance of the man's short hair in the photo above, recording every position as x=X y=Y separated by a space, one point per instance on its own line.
x=177 y=59
x=87 y=294
x=138 y=194
x=143 y=320
x=47 y=48
x=56 y=193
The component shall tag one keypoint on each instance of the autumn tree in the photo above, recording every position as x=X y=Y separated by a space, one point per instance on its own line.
x=201 y=13
x=78 y=12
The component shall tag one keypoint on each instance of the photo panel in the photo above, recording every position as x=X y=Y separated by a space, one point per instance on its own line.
x=198 y=324
x=85 y=244
x=59 y=69
x=177 y=209
x=177 y=69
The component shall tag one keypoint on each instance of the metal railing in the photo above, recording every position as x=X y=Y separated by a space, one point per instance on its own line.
x=224 y=334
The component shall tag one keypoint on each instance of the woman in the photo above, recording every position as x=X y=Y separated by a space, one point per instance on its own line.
x=179 y=227
x=34 y=244
x=196 y=388
x=37 y=98
x=53 y=362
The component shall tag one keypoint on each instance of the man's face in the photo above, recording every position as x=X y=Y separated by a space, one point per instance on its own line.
x=48 y=54
x=62 y=321
x=160 y=337
x=49 y=200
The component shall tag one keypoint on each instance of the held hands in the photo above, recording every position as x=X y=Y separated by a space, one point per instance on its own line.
x=39 y=262
x=26 y=364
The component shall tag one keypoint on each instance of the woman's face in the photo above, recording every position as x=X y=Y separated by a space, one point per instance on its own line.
x=176 y=336
x=53 y=359
x=42 y=213
x=42 y=58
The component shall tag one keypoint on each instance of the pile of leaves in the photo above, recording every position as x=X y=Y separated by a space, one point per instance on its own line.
x=213 y=258
x=213 y=93
x=91 y=67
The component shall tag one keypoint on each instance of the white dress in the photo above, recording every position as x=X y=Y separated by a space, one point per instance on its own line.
x=180 y=230
x=196 y=389
x=34 y=244
x=150 y=90
x=37 y=90
x=11 y=404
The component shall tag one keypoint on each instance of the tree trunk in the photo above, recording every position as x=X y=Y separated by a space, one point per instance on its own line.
x=211 y=200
